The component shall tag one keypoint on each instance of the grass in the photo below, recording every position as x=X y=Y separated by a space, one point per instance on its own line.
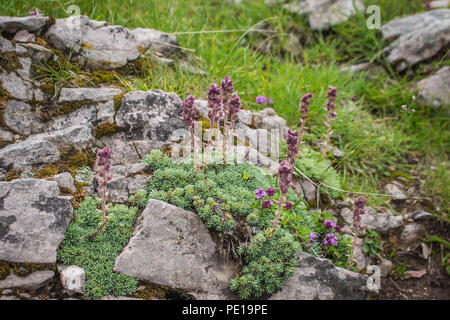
x=376 y=136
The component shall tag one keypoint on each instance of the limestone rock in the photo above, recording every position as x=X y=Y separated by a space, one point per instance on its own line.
x=376 y=221
x=27 y=153
x=20 y=117
x=39 y=54
x=33 y=281
x=33 y=220
x=73 y=278
x=100 y=46
x=65 y=180
x=268 y=119
x=394 y=191
x=137 y=183
x=151 y=115
x=435 y=90
x=30 y=23
x=420 y=37
x=167 y=237
x=325 y=13
x=317 y=278
x=24 y=36
x=410 y=237
x=87 y=94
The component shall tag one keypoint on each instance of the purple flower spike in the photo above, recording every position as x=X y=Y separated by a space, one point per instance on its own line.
x=270 y=100
x=235 y=107
x=305 y=102
x=260 y=193
x=270 y=192
x=189 y=111
x=214 y=103
x=330 y=107
x=312 y=237
x=285 y=176
x=427 y=5
x=267 y=204
x=288 y=205
x=226 y=85
x=291 y=142
x=261 y=100
x=359 y=209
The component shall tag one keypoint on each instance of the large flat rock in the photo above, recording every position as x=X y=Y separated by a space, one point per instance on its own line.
x=316 y=278
x=171 y=246
x=33 y=220
x=419 y=37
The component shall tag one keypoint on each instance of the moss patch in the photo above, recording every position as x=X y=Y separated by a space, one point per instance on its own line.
x=156 y=292
x=118 y=101
x=46 y=172
x=105 y=129
x=9 y=61
x=4 y=270
x=12 y=174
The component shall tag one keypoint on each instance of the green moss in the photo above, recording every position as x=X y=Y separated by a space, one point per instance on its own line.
x=80 y=159
x=4 y=270
x=46 y=172
x=24 y=269
x=105 y=129
x=97 y=256
x=140 y=67
x=67 y=108
x=156 y=292
x=103 y=76
x=12 y=174
x=118 y=101
x=9 y=61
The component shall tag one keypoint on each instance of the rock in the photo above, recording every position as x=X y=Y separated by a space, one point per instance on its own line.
x=117 y=190
x=357 y=67
x=84 y=116
x=24 y=36
x=376 y=221
x=435 y=90
x=39 y=54
x=9 y=298
x=135 y=168
x=420 y=215
x=191 y=68
x=244 y=116
x=28 y=153
x=316 y=278
x=439 y=4
x=16 y=86
x=31 y=23
x=100 y=46
x=33 y=220
x=25 y=295
x=395 y=192
x=337 y=153
x=309 y=190
x=34 y=281
x=246 y=154
x=385 y=267
x=7 y=292
x=137 y=183
x=420 y=37
x=358 y=255
x=126 y=151
x=152 y=115
x=65 y=180
x=78 y=136
x=20 y=117
x=325 y=13
x=268 y=119
x=410 y=237
x=87 y=94
x=167 y=237
x=265 y=142
x=72 y=278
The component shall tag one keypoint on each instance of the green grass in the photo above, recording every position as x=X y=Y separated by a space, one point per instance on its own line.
x=371 y=129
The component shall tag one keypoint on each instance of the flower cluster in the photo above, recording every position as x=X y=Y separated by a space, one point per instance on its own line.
x=36 y=13
x=330 y=240
x=263 y=100
x=291 y=142
x=312 y=237
x=359 y=209
x=214 y=103
x=235 y=107
x=305 y=102
x=330 y=108
x=261 y=194
x=285 y=176
x=189 y=111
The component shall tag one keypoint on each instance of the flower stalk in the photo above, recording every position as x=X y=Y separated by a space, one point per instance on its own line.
x=330 y=107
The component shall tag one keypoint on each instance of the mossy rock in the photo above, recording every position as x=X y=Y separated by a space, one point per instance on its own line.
x=9 y=61
x=4 y=270
x=105 y=129
x=118 y=101
x=13 y=174
x=46 y=172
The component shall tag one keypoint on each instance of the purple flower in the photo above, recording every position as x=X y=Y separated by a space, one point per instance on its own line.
x=288 y=205
x=291 y=142
x=427 y=5
x=359 y=209
x=329 y=224
x=312 y=236
x=234 y=106
x=260 y=193
x=330 y=240
x=261 y=100
x=36 y=13
x=214 y=103
x=270 y=100
x=226 y=85
x=285 y=176
x=305 y=102
x=267 y=204
x=189 y=111
x=103 y=163
x=337 y=228
x=331 y=105
x=270 y=192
